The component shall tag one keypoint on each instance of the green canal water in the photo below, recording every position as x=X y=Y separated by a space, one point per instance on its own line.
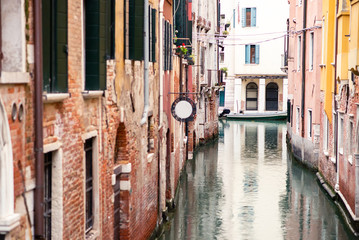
x=246 y=186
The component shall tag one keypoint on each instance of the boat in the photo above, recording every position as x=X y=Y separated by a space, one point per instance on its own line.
x=257 y=116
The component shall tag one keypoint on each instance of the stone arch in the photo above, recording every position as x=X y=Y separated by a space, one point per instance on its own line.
x=8 y=219
x=251 y=96
x=272 y=96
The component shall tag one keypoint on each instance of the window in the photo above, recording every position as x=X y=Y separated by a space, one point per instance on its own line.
x=299 y=52
x=326 y=134
x=54 y=38
x=249 y=17
x=252 y=54
x=47 y=194
x=89 y=186
x=298 y=119
x=203 y=57
x=311 y=51
x=350 y=145
x=221 y=57
x=310 y=122
x=99 y=41
x=134 y=28
x=341 y=134
x=323 y=40
x=152 y=34
x=252 y=96
x=150 y=135
x=167 y=45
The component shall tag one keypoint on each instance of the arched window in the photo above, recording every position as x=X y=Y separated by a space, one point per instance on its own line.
x=8 y=220
x=252 y=96
x=272 y=97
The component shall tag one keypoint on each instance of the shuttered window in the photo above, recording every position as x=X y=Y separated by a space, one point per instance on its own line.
x=252 y=54
x=134 y=28
x=54 y=38
x=249 y=17
x=167 y=46
x=152 y=34
x=99 y=41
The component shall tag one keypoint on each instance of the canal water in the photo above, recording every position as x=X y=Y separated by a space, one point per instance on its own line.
x=246 y=186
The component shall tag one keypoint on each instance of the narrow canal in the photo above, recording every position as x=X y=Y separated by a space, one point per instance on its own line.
x=246 y=186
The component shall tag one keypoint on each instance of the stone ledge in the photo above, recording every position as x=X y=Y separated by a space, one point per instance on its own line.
x=54 y=97
x=14 y=78
x=92 y=94
x=9 y=223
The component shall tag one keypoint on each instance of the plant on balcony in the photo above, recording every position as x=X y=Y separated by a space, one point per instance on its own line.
x=224 y=70
x=190 y=60
x=225 y=32
x=181 y=50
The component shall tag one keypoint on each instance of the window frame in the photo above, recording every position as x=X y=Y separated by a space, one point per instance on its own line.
x=311 y=51
x=299 y=53
x=297 y=124
x=310 y=124
x=256 y=98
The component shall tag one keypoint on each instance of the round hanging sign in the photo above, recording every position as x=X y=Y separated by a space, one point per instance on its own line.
x=183 y=109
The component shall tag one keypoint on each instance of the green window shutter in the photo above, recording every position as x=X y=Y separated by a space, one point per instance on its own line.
x=92 y=43
x=60 y=83
x=247 y=52
x=170 y=48
x=46 y=44
x=150 y=33
x=104 y=55
x=257 y=54
x=110 y=12
x=154 y=12
x=221 y=98
x=253 y=17
x=136 y=17
x=243 y=17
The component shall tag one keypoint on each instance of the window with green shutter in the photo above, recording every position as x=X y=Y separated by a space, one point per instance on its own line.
x=98 y=42
x=54 y=31
x=134 y=15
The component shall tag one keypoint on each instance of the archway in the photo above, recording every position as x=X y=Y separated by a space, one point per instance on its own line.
x=252 y=96
x=272 y=97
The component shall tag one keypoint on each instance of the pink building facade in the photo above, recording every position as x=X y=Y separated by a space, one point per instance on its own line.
x=304 y=59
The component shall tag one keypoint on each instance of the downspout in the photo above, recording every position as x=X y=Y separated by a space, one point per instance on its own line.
x=335 y=94
x=160 y=110
x=303 y=62
x=145 y=63
x=160 y=58
x=39 y=156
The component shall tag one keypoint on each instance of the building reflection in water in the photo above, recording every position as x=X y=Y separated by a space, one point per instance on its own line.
x=245 y=186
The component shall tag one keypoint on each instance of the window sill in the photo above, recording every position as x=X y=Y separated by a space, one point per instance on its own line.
x=54 y=97
x=326 y=153
x=92 y=235
x=150 y=157
x=14 y=78
x=350 y=159
x=322 y=65
x=333 y=159
x=9 y=223
x=341 y=151
x=92 y=94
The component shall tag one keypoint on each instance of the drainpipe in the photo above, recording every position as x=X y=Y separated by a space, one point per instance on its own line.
x=160 y=58
x=335 y=94
x=160 y=110
x=39 y=156
x=145 y=63
x=303 y=61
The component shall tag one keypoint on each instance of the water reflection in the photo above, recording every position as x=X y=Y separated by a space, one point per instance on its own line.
x=246 y=187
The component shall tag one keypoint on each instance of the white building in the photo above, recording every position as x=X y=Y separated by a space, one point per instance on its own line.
x=254 y=55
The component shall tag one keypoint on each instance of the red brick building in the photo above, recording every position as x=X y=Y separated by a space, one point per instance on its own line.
x=89 y=149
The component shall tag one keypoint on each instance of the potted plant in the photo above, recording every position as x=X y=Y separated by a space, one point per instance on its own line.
x=225 y=33
x=181 y=50
x=225 y=71
x=190 y=60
